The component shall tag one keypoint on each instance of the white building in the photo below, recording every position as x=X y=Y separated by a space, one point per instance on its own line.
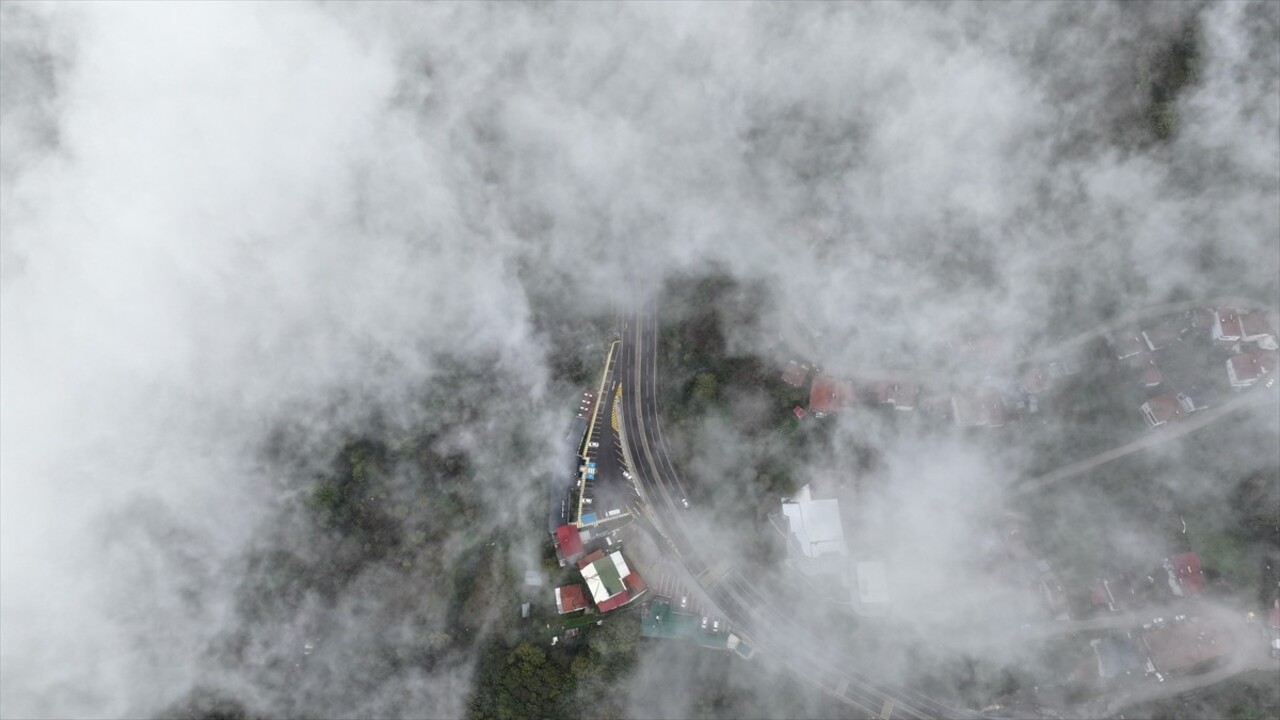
x=814 y=530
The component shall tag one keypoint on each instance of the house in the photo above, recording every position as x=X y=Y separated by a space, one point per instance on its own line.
x=899 y=396
x=813 y=527
x=1201 y=318
x=1164 y=333
x=981 y=409
x=1145 y=364
x=795 y=374
x=1245 y=369
x=1186 y=579
x=828 y=395
x=1191 y=401
x=570 y=598
x=1126 y=343
x=798 y=412
x=568 y=544
x=610 y=581
x=1161 y=409
x=1254 y=328
x=1226 y=327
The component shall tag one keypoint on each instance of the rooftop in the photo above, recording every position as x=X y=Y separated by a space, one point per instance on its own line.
x=815 y=525
x=829 y=395
x=794 y=374
x=569 y=541
x=570 y=598
x=1228 y=324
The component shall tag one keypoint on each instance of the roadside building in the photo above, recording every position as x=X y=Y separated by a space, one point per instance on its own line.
x=1246 y=369
x=1162 y=409
x=570 y=598
x=1226 y=327
x=814 y=531
x=1148 y=371
x=828 y=395
x=795 y=374
x=1201 y=319
x=1164 y=333
x=1186 y=579
x=568 y=544
x=610 y=581
x=1255 y=328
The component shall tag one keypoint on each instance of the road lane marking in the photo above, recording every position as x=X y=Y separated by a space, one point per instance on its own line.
x=842 y=687
x=886 y=712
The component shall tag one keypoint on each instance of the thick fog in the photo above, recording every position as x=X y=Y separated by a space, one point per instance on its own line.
x=235 y=236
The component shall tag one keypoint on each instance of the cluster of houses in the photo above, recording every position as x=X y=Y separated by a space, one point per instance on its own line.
x=608 y=581
x=990 y=404
x=1244 y=342
x=1245 y=337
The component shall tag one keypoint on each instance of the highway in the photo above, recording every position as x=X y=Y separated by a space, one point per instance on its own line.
x=748 y=609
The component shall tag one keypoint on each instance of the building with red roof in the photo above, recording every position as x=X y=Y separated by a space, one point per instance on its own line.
x=828 y=395
x=1185 y=576
x=1245 y=369
x=1161 y=409
x=611 y=582
x=570 y=598
x=1226 y=327
x=1255 y=328
x=568 y=544
x=795 y=374
x=1147 y=369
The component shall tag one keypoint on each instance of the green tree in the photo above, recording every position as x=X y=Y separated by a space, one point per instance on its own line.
x=705 y=387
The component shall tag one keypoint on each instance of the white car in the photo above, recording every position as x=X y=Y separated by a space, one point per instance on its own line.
x=704 y=622
x=685 y=503
x=715 y=626
x=684 y=601
x=626 y=475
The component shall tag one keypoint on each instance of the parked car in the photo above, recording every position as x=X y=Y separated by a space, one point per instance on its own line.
x=685 y=502
x=704 y=622
x=626 y=474
x=715 y=626
x=684 y=601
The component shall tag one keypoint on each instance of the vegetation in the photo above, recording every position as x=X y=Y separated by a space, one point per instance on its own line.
x=1174 y=67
